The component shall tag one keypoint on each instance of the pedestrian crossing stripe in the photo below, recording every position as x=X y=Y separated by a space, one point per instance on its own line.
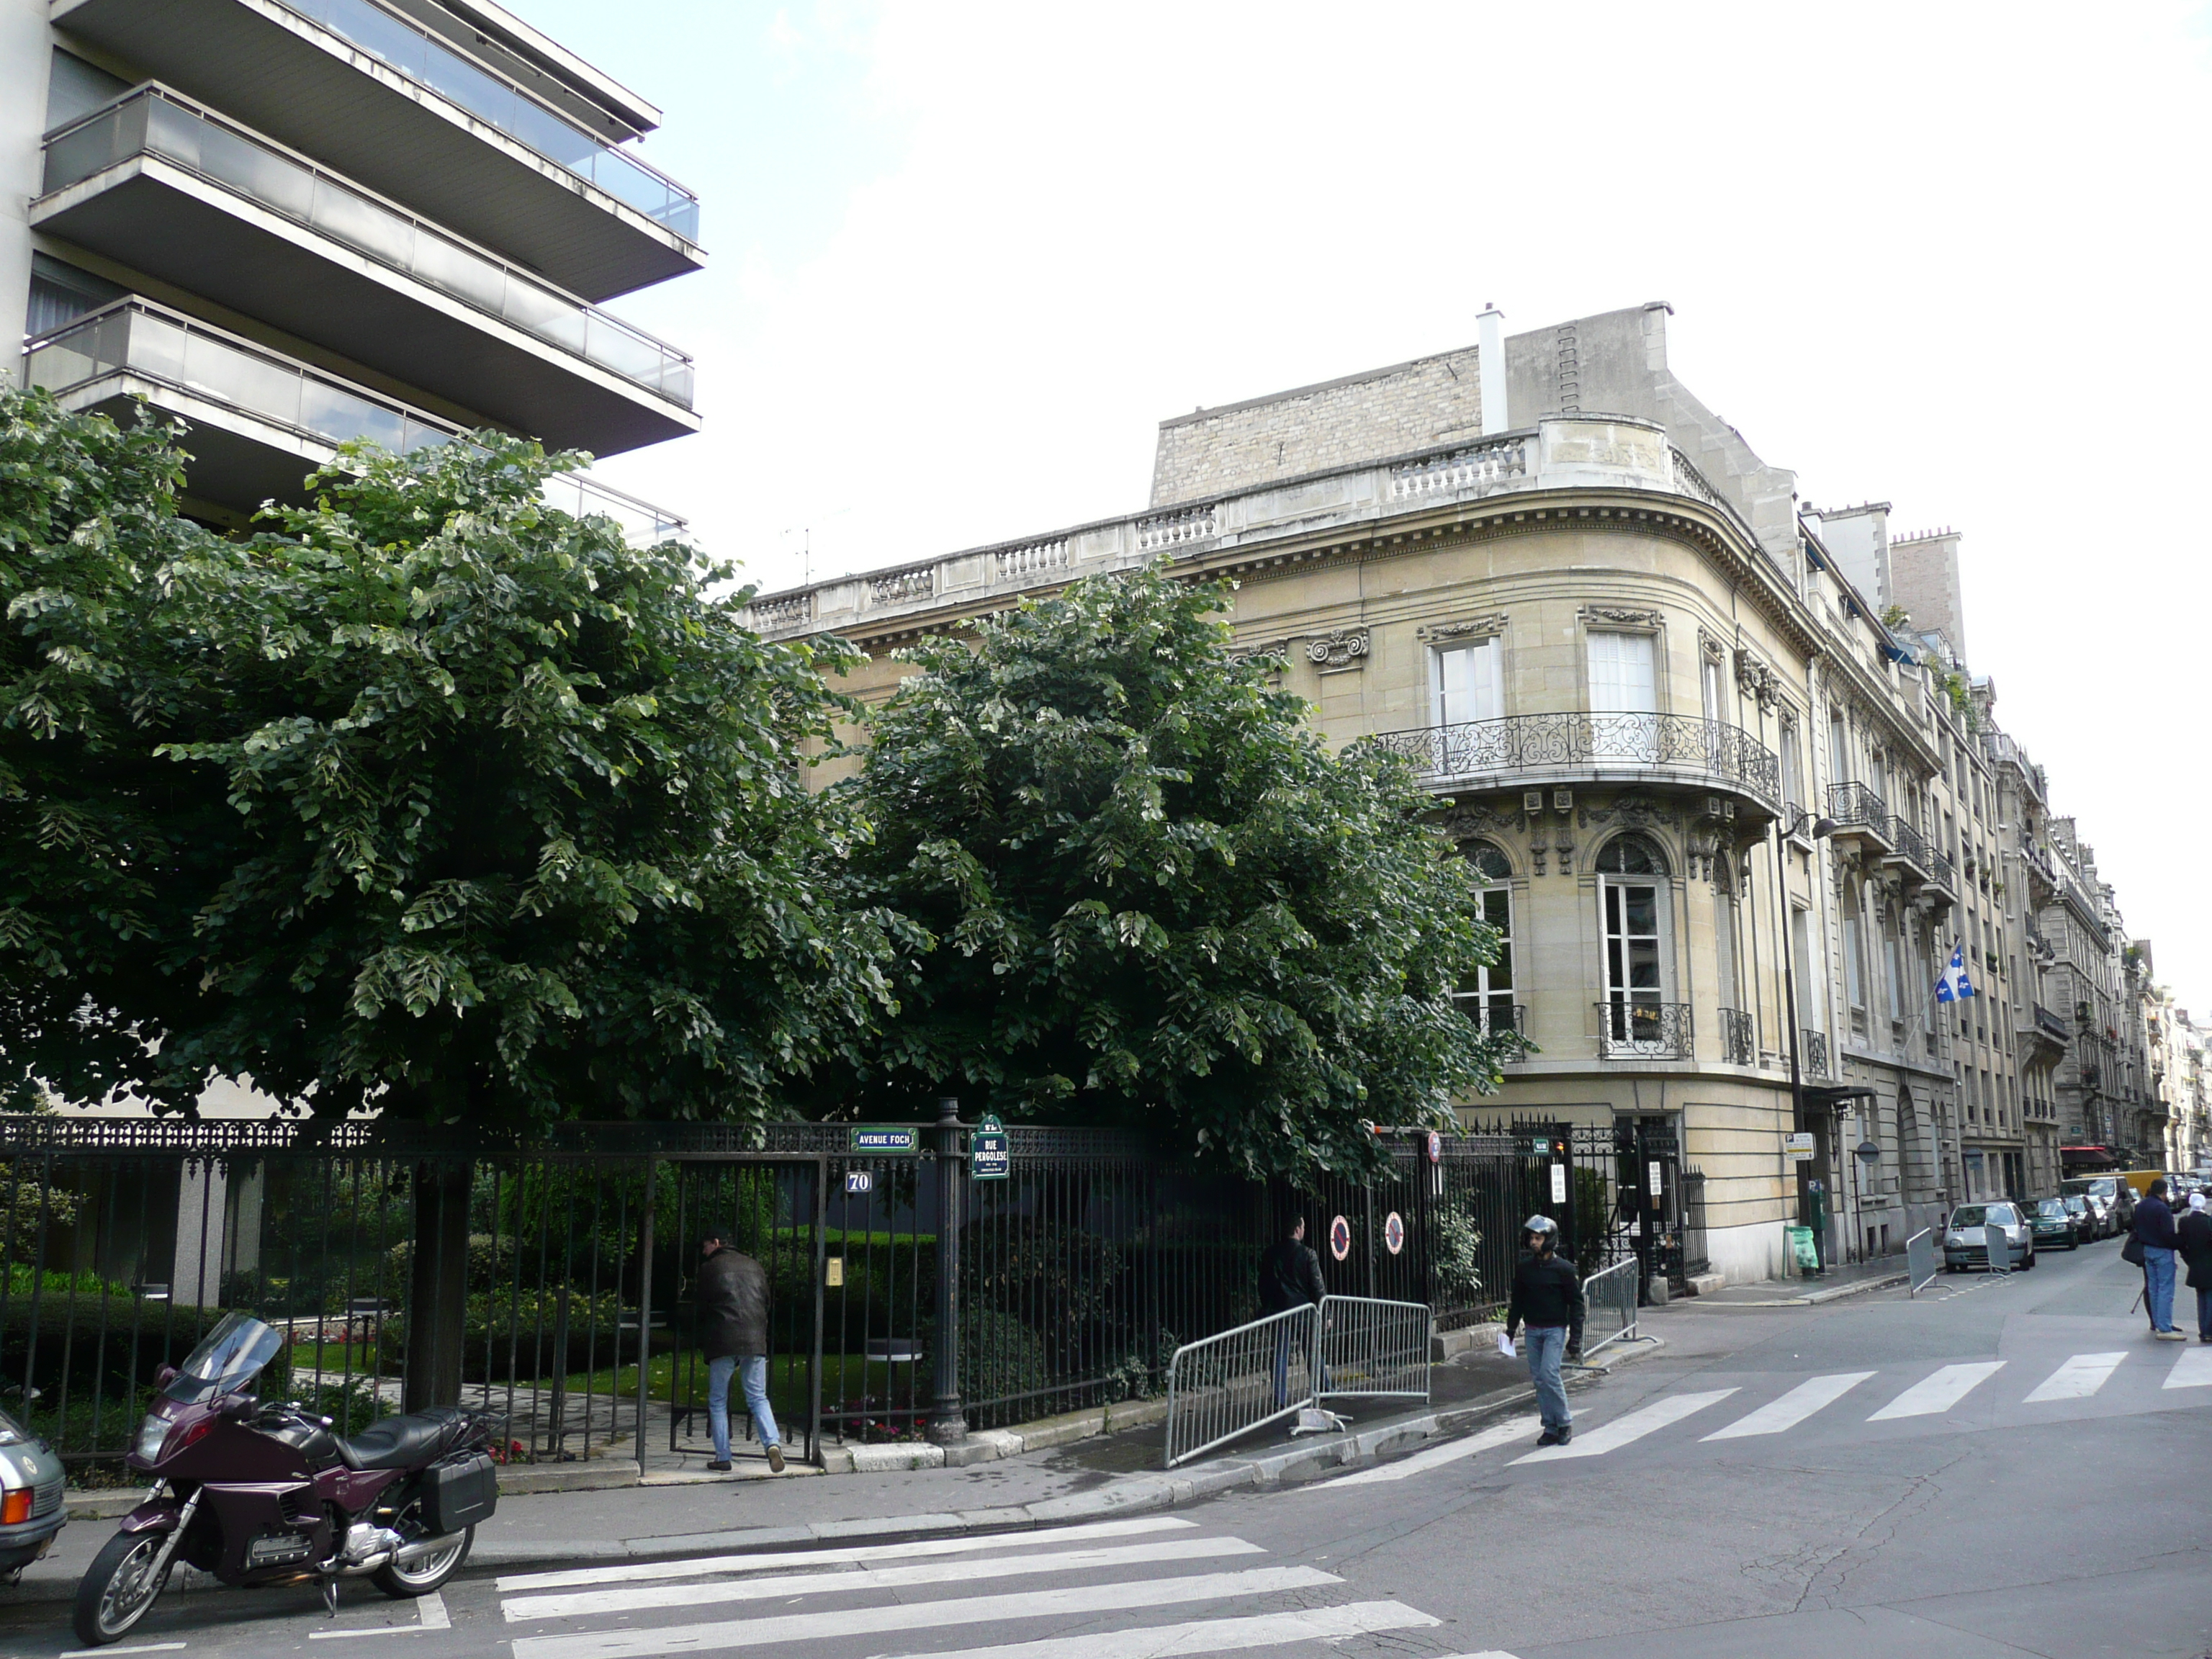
x=2193 y=1371
x=2078 y=1378
x=1933 y=1395
x=922 y=1615
x=1794 y=1407
x=580 y=1604
x=1626 y=1431
x=1265 y=1629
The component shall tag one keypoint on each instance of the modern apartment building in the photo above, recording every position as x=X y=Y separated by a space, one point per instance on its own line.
x=294 y=222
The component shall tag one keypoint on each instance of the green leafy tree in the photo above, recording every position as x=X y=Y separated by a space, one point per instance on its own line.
x=1156 y=898
x=439 y=800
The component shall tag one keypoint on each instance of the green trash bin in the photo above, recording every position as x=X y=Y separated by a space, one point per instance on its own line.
x=1802 y=1251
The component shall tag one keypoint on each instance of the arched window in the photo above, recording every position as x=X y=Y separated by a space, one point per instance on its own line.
x=1487 y=996
x=1634 y=913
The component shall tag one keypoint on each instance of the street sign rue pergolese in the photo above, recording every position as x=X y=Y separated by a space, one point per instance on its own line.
x=990 y=1149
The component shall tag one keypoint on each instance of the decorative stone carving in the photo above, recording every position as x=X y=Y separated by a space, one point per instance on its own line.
x=1275 y=653
x=1472 y=818
x=1756 y=680
x=1566 y=848
x=1336 y=653
x=1536 y=850
x=1467 y=628
x=1622 y=615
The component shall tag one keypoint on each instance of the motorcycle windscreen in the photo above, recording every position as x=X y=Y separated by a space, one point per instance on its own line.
x=230 y=1357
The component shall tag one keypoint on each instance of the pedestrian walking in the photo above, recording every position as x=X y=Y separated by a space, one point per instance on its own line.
x=1548 y=1297
x=733 y=1303
x=1289 y=1277
x=2194 y=1238
x=2152 y=1241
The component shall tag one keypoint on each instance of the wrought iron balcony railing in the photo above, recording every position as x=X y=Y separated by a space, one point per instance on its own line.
x=1855 y=807
x=1644 y=1030
x=1738 y=1046
x=1496 y=1015
x=1524 y=744
x=1813 y=1053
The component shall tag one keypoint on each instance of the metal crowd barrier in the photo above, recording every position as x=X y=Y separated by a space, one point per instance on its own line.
x=1373 y=1349
x=1244 y=1378
x=1240 y=1379
x=1610 y=1296
x=1921 y=1265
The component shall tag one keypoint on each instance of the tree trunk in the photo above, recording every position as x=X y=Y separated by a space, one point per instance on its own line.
x=438 y=1282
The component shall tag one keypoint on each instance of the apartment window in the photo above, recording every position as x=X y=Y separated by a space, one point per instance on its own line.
x=1632 y=912
x=1811 y=987
x=1488 y=997
x=1713 y=684
x=1854 y=962
x=1724 y=939
x=1839 y=749
x=1895 y=964
x=1622 y=673
x=1470 y=683
x=1793 y=766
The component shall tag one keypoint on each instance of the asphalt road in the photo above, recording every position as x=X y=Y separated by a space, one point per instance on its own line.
x=2002 y=1466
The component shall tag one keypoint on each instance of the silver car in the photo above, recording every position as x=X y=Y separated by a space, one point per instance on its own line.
x=1962 y=1236
x=31 y=1512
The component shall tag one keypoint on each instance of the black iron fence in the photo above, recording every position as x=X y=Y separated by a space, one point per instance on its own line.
x=550 y=1277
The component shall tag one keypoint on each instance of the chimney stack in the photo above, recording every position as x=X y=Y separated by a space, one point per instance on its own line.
x=1490 y=365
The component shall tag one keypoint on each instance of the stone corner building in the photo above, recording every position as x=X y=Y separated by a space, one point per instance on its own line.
x=1637 y=672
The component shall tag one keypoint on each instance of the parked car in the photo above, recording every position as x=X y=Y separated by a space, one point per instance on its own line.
x=1962 y=1236
x=31 y=1515
x=2052 y=1224
x=2114 y=1191
x=2088 y=1224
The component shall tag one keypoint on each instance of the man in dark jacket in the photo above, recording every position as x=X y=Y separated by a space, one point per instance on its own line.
x=733 y=1335
x=2154 y=1231
x=1289 y=1277
x=1548 y=1297
x=2194 y=1239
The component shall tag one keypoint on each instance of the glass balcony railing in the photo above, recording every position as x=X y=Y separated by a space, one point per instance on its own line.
x=153 y=120
x=153 y=343
x=400 y=45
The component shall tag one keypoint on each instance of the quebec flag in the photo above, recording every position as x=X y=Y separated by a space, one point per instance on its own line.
x=1952 y=985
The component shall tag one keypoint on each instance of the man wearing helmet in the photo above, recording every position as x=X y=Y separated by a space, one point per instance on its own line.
x=1548 y=1297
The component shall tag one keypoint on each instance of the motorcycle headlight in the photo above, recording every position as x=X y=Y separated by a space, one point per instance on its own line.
x=152 y=1433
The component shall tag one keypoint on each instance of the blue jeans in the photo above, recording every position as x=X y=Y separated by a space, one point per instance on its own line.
x=1547 y=1347
x=1283 y=1338
x=754 y=1376
x=2158 y=1278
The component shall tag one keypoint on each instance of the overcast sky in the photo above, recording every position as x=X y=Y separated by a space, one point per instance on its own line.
x=964 y=258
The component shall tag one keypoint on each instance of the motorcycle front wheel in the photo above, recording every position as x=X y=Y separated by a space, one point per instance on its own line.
x=421 y=1577
x=118 y=1589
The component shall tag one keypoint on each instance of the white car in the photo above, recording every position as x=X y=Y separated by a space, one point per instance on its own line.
x=1962 y=1236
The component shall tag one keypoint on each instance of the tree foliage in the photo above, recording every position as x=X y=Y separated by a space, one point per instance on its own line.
x=1156 y=897
x=434 y=798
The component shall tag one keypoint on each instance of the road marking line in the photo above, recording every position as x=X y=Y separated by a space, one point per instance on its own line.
x=698 y=1566
x=2078 y=1378
x=104 y=1653
x=2193 y=1371
x=349 y=1635
x=431 y=1609
x=1793 y=1407
x=1265 y=1629
x=1939 y=1393
x=584 y=1603
x=1504 y=1434
x=922 y=1615
x=1626 y=1431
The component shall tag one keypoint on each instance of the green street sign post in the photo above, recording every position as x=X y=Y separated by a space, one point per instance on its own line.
x=990 y=1151
x=884 y=1138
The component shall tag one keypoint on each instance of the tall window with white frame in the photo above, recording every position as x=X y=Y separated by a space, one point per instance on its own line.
x=1623 y=695
x=1488 y=997
x=1854 y=957
x=1793 y=768
x=1469 y=681
x=1633 y=909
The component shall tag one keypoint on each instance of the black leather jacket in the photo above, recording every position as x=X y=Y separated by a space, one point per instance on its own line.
x=733 y=1305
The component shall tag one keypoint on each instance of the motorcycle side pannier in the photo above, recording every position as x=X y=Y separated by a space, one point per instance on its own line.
x=460 y=1492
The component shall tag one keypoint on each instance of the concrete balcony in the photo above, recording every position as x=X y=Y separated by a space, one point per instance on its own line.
x=417 y=118
x=160 y=185
x=1925 y=871
x=2042 y=874
x=1548 y=749
x=260 y=422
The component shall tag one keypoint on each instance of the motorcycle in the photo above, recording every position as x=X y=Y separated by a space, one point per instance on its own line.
x=267 y=1493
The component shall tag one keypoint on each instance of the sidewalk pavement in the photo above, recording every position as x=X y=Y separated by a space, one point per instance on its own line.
x=1844 y=1279
x=1116 y=1474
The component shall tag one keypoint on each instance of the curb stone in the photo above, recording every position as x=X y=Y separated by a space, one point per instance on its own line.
x=1815 y=1298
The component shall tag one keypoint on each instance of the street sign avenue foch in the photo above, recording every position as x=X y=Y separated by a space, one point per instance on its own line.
x=884 y=1138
